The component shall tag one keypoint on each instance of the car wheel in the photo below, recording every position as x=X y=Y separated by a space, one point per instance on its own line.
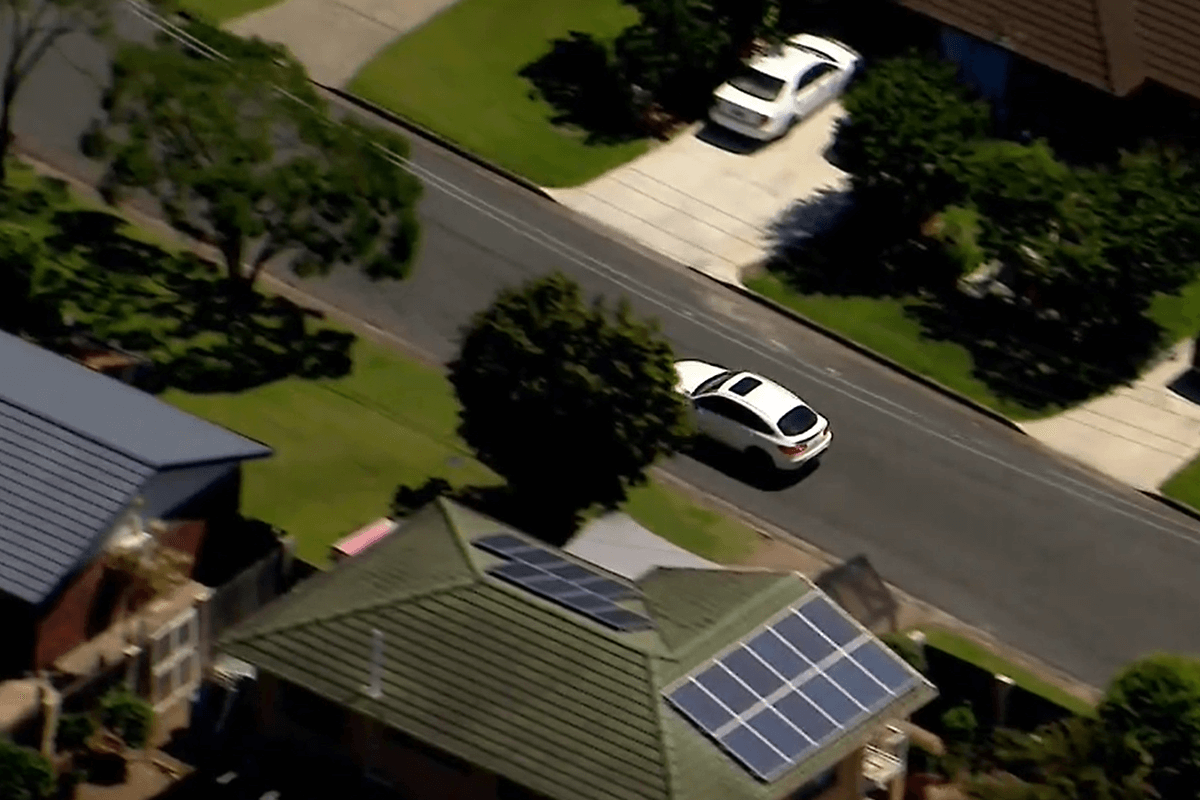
x=759 y=461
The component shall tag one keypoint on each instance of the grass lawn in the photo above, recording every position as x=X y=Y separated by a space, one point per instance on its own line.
x=983 y=658
x=458 y=75
x=218 y=12
x=882 y=324
x=1184 y=485
x=344 y=445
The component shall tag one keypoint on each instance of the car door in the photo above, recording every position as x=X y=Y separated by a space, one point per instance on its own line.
x=714 y=418
x=814 y=88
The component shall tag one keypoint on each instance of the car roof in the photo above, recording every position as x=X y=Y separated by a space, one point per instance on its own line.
x=786 y=64
x=769 y=399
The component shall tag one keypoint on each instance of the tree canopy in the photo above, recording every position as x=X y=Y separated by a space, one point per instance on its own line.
x=243 y=154
x=908 y=120
x=25 y=774
x=1156 y=702
x=569 y=401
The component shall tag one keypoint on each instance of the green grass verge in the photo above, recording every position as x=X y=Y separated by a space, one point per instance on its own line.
x=983 y=658
x=458 y=75
x=882 y=324
x=1184 y=485
x=343 y=446
x=218 y=12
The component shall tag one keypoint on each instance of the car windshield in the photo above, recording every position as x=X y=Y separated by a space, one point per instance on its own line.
x=713 y=382
x=797 y=421
x=756 y=83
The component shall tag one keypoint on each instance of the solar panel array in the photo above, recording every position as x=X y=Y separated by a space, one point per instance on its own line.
x=549 y=575
x=791 y=687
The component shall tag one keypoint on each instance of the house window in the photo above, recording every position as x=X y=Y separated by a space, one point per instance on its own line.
x=817 y=786
x=175 y=658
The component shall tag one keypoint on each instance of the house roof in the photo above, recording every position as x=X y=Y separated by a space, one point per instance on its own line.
x=522 y=687
x=76 y=447
x=1115 y=45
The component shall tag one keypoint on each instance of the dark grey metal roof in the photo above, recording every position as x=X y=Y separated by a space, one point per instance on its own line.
x=76 y=447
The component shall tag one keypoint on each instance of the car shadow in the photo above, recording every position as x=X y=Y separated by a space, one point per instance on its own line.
x=714 y=134
x=737 y=466
x=1187 y=386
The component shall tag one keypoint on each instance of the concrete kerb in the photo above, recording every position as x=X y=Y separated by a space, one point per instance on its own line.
x=440 y=141
x=1182 y=508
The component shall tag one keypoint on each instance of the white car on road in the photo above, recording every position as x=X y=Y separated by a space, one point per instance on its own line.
x=752 y=415
x=774 y=91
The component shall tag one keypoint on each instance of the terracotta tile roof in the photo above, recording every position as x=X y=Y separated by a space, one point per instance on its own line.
x=1115 y=45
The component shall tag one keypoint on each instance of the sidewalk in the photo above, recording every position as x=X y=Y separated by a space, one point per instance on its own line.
x=1139 y=434
x=333 y=39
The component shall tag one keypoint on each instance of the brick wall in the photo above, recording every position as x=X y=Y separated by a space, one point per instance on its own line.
x=68 y=621
x=186 y=537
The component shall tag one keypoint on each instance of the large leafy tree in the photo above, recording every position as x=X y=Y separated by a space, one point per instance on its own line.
x=908 y=121
x=32 y=28
x=1075 y=759
x=569 y=401
x=24 y=774
x=1156 y=702
x=243 y=154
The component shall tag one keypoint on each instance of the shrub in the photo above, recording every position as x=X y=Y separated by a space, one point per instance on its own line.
x=127 y=715
x=24 y=774
x=74 y=730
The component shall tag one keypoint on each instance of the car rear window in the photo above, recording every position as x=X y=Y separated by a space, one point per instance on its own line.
x=756 y=83
x=797 y=421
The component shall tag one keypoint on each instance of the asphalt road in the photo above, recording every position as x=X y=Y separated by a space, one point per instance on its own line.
x=952 y=507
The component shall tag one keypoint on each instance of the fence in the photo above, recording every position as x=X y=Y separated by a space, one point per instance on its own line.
x=254 y=587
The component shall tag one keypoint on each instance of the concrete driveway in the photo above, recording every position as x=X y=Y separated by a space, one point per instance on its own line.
x=713 y=201
x=1140 y=434
x=334 y=38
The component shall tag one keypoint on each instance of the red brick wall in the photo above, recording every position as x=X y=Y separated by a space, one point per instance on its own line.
x=65 y=625
x=187 y=537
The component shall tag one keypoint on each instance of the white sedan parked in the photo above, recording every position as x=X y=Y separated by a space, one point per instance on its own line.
x=773 y=92
x=752 y=415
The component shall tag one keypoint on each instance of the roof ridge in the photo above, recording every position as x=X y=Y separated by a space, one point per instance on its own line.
x=449 y=585
x=717 y=628
x=668 y=742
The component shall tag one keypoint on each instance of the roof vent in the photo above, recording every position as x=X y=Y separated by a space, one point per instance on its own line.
x=374 y=686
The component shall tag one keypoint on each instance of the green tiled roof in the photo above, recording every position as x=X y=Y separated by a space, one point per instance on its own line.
x=516 y=685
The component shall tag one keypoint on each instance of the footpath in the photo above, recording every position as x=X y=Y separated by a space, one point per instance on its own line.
x=778 y=549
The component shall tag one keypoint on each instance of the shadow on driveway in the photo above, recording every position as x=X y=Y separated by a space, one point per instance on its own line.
x=738 y=466
x=714 y=134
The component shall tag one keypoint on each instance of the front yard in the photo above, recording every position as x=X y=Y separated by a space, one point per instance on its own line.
x=343 y=445
x=458 y=75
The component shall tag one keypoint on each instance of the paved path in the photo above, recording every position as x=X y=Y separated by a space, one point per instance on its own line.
x=334 y=38
x=957 y=510
x=1139 y=434
x=701 y=199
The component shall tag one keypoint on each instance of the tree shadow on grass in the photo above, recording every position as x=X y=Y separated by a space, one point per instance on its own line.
x=201 y=333
x=1037 y=363
x=580 y=81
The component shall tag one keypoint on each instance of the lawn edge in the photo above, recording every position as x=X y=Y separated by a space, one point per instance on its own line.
x=862 y=349
x=436 y=138
x=1170 y=502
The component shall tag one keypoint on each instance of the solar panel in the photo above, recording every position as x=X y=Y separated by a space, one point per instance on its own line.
x=546 y=574
x=788 y=688
x=502 y=544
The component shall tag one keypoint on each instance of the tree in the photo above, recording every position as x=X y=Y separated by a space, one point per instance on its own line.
x=1156 y=701
x=571 y=402
x=34 y=27
x=236 y=162
x=908 y=120
x=24 y=774
x=20 y=255
x=128 y=716
x=1075 y=759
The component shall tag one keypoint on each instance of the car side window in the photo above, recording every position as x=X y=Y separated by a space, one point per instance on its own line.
x=725 y=407
x=814 y=74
